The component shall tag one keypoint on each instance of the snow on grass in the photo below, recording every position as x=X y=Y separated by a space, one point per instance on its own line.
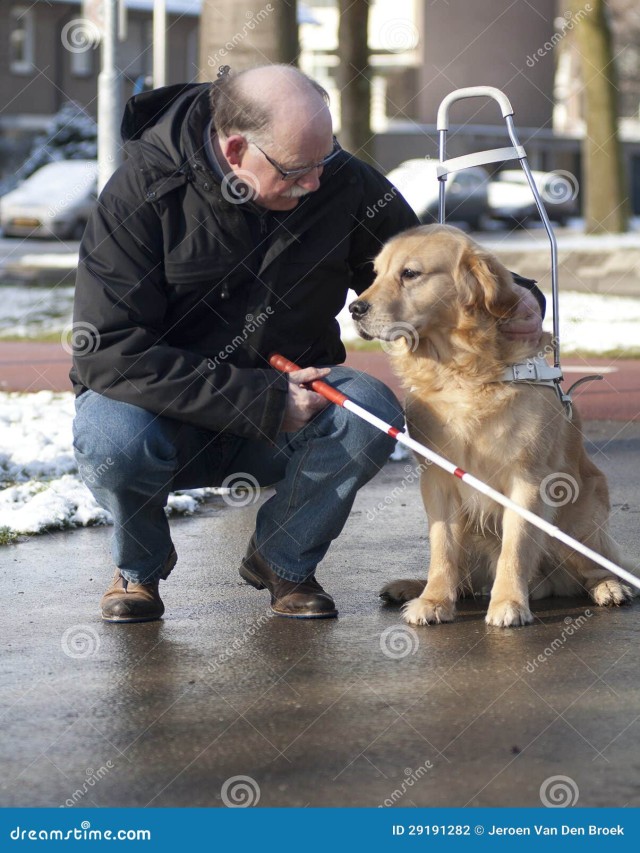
x=34 y=312
x=589 y=323
x=40 y=488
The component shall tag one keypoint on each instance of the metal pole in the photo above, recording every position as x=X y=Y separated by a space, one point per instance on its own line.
x=159 y=43
x=513 y=136
x=109 y=100
x=340 y=399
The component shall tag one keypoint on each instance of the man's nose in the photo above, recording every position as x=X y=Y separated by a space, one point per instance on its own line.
x=359 y=308
x=311 y=181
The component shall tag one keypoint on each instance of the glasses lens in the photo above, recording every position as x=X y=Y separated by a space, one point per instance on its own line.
x=298 y=173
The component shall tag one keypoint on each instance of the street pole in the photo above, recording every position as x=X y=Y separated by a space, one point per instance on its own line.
x=109 y=100
x=159 y=43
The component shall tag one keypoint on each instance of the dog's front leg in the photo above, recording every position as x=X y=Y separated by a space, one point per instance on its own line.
x=519 y=558
x=437 y=603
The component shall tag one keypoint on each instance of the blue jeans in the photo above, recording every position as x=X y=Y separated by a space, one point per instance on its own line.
x=131 y=460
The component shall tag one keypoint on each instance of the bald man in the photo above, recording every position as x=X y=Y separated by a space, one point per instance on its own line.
x=234 y=230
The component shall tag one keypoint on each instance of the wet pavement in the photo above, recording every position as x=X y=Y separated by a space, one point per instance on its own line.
x=358 y=711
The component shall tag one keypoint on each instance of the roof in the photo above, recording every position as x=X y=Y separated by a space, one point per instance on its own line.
x=174 y=7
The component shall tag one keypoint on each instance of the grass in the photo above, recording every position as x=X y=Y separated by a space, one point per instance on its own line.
x=42 y=338
x=630 y=353
x=7 y=536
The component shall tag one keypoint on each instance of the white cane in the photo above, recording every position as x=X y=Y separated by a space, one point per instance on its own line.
x=340 y=399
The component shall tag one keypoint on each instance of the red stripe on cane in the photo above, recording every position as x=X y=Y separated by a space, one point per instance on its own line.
x=459 y=473
x=393 y=432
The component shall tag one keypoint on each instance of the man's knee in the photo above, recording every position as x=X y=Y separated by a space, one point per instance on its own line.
x=368 y=392
x=113 y=440
x=368 y=445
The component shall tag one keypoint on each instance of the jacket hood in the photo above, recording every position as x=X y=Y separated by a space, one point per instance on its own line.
x=158 y=118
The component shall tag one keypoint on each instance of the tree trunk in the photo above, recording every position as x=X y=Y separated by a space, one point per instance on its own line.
x=354 y=78
x=287 y=31
x=236 y=33
x=605 y=199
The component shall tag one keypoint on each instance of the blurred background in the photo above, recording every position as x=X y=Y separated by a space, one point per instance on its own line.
x=570 y=68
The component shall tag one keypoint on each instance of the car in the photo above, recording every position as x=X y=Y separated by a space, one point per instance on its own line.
x=511 y=199
x=466 y=192
x=55 y=201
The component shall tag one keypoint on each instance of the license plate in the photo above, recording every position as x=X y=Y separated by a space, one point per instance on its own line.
x=23 y=222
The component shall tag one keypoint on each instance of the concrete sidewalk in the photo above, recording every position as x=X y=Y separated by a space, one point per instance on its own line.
x=358 y=711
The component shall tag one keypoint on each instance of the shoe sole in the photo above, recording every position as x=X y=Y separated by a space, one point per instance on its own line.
x=247 y=575
x=131 y=619
x=333 y=614
x=253 y=580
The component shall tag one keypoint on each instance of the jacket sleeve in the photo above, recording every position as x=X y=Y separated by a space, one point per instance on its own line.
x=119 y=323
x=383 y=214
x=531 y=285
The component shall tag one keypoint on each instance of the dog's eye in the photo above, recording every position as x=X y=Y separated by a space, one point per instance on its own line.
x=407 y=274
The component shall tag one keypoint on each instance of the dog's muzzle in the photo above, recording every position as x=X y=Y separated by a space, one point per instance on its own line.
x=358 y=309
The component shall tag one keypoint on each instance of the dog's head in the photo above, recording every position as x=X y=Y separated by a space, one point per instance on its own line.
x=433 y=279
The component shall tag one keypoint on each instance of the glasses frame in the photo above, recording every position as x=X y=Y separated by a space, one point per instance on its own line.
x=294 y=174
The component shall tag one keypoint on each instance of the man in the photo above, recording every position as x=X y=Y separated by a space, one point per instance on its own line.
x=234 y=230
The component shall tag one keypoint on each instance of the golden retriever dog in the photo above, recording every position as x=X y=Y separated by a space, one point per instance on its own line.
x=517 y=437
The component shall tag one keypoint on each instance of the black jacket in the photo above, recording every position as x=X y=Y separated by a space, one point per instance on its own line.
x=189 y=294
x=182 y=295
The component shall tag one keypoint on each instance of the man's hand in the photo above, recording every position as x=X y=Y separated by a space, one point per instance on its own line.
x=303 y=404
x=526 y=324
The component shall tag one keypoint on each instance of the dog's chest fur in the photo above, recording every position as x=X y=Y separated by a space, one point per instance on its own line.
x=491 y=430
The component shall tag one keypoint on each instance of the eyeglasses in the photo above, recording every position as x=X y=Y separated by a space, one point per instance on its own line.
x=293 y=174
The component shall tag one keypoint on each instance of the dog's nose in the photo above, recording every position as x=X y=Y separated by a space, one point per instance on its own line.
x=359 y=308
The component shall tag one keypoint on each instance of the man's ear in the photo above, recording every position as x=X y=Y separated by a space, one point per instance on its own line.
x=483 y=284
x=234 y=148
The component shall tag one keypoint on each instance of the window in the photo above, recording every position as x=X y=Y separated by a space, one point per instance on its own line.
x=81 y=61
x=21 y=40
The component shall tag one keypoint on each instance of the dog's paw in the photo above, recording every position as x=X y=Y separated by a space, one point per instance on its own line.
x=400 y=591
x=610 y=592
x=425 y=611
x=508 y=614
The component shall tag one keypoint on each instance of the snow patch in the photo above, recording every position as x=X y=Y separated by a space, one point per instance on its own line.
x=40 y=488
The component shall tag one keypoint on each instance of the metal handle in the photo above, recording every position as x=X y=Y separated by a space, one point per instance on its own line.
x=472 y=92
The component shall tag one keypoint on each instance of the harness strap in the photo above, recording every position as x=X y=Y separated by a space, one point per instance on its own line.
x=536 y=371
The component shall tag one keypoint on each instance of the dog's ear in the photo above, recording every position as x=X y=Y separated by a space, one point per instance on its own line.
x=484 y=284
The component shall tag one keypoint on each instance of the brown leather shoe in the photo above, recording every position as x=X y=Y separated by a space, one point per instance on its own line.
x=135 y=602
x=297 y=600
